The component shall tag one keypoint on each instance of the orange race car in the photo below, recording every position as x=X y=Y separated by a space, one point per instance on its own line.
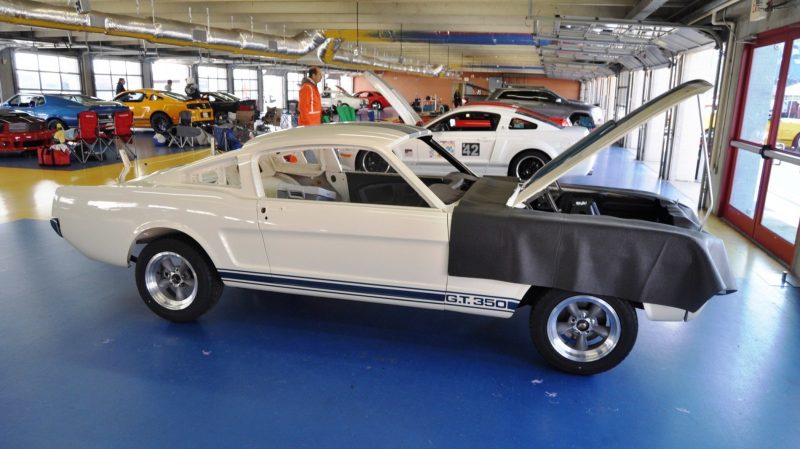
x=160 y=109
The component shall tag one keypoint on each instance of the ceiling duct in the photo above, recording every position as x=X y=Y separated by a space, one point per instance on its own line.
x=333 y=54
x=168 y=32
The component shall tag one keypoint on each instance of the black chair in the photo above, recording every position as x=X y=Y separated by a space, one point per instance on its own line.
x=183 y=134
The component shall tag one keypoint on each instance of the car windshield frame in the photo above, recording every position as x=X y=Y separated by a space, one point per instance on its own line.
x=441 y=151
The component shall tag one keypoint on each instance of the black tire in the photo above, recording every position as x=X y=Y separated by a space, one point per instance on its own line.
x=796 y=142
x=371 y=162
x=52 y=124
x=576 y=344
x=526 y=163
x=176 y=280
x=160 y=122
x=376 y=105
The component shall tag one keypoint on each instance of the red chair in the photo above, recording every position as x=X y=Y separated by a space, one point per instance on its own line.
x=123 y=132
x=88 y=136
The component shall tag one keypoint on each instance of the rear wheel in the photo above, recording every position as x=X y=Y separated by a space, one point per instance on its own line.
x=53 y=123
x=796 y=142
x=376 y=105
x=526 y=163
x=160 y=122
x=583 y=334
x=176 y=280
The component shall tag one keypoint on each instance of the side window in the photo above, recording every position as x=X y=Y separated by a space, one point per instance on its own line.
x=224 y=173
x=518 y=123
x=154 y=98
x=473 y=121
x=516 y=95
x=15 y=101
x=131 y=97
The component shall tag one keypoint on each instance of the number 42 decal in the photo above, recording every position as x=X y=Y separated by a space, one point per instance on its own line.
x=470 y=149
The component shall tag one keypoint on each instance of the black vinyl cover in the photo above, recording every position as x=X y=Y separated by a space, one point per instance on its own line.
x=608 y=256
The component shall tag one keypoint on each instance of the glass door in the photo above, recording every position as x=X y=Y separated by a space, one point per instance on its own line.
x=762 y=196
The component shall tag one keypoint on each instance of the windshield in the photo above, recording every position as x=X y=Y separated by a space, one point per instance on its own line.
x=174 y=96
x=225 y=96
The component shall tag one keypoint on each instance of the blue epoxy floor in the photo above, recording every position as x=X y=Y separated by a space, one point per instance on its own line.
x=86 y=364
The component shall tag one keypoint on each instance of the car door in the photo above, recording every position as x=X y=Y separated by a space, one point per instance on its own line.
x=469 y=135
x=354 y=248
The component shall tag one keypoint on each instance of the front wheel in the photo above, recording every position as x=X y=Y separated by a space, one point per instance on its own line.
x=176 y=280
x=526 y=163
x=376 y=105
x=583 y=334
x=160 y=122
x=796 y=142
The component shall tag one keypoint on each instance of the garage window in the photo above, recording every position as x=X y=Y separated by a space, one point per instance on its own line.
x=212 y=78
x=43 y=73
x=163 y=71
x=293 y=81
x=108 y=71
x=245 y=83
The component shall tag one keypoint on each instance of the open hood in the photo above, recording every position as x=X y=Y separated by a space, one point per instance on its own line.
x=341 y=89
x=408 y=115
x=602 y=137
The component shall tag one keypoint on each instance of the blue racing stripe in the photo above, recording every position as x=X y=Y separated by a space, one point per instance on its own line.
x=429 y=296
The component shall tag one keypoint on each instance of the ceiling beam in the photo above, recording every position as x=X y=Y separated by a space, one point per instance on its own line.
x=644 y=9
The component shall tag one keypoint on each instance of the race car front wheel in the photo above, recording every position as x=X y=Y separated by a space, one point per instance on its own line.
x=583 y=334
x=176 y=280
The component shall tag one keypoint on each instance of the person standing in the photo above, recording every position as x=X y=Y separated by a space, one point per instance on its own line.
x=310 y=103
x=168 y=87
x=120 y=86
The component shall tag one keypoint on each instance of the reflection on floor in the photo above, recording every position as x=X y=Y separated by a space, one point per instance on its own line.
x=86 y=364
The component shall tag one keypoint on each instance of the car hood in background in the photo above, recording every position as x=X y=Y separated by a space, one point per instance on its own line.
x=601 y=138
x=408 y=115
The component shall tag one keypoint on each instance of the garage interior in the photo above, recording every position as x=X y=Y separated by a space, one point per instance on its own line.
x=85 y=364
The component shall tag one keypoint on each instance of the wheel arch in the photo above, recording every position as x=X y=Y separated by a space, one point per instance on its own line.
x=536 y=292
x=158 y=232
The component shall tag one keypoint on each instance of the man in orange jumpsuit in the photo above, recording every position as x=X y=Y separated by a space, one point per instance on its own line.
x=310 y=102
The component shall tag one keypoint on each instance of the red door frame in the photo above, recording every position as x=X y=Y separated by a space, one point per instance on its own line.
x=752 y=226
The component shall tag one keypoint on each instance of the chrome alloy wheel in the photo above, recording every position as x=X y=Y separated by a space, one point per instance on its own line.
x=583 y=328
x=171 y=280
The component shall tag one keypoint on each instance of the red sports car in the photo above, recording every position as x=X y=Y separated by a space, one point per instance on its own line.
x=20 y=131
x=374 y=99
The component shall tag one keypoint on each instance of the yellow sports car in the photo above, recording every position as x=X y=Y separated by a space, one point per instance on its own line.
x=160 y=109
x=789 y=132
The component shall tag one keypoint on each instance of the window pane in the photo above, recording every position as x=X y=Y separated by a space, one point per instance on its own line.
x=51 y=81
x=133 y=67
x=202 y=83
x=782 y=207
x=103 y=82
x=100 y=66
x=27 y=80
x=134 y=82
x=69 y=65
x=29 y=61
x=748 y=176
x=105 y=94
x=70 y=82
x=761 y=92
x=48 y=63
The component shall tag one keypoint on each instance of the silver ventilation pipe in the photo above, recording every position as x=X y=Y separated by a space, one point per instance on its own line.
x=332 y=54
x=169 y=32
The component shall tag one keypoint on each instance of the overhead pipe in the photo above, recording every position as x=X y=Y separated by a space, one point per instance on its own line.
x=332 y=54
x=160 y=31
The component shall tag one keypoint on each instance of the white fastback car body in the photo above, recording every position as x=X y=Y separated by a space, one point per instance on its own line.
x=282 y=214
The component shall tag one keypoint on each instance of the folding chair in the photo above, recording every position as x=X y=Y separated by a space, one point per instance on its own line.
x=123 y=133
x=183 y=134
x=87 y=137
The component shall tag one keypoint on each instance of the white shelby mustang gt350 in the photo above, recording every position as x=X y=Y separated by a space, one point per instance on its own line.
x=282 y=215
